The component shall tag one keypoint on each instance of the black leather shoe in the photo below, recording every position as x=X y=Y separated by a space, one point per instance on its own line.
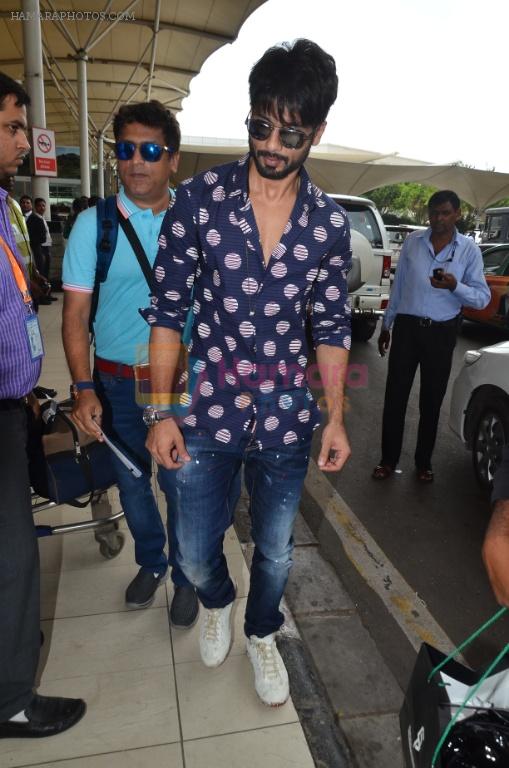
x=47 y=716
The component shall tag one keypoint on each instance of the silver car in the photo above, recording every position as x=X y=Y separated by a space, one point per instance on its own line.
x=480 y=407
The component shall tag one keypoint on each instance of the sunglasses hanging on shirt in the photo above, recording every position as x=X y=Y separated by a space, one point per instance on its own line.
x=149 y=150
x=446 y=261
x=451 y=257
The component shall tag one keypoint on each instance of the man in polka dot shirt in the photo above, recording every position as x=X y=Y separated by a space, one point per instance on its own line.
x=262 y=248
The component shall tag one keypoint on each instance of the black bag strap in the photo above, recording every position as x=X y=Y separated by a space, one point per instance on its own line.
x=105 y=244
x=81 y=458
x=138 y=249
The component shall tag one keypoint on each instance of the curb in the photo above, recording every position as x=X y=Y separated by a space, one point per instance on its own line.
x=325 y=738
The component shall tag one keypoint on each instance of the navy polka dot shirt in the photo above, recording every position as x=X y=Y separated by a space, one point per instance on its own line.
x=248 y=352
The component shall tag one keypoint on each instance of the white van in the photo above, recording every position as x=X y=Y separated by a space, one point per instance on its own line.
x=397 y=236
x=369 y=278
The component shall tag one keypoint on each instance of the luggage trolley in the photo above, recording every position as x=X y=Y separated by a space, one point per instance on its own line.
x=68 y=467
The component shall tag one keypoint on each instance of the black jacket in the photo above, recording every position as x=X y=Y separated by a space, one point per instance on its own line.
x=36 y=231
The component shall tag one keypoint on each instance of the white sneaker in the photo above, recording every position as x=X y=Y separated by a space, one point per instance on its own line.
x=271 y=677
x=216 y=635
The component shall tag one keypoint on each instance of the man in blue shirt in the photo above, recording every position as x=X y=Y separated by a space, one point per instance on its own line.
x=439 y=271
x=23 y=713
x=147 y=143
x=262 y=246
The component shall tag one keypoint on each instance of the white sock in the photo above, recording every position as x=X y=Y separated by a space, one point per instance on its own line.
x=19 y=718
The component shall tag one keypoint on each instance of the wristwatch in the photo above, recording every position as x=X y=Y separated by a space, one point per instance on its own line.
x=79 y=386
x=152 y=416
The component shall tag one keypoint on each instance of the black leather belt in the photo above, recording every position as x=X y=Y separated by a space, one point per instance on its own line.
x=426 y=322
x=12 y=404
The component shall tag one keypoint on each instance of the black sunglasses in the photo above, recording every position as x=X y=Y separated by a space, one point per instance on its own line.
x=291 y=138
x=149 y=150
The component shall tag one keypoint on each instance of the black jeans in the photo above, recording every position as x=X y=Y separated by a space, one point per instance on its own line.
x=431 y=348
x=19 y=568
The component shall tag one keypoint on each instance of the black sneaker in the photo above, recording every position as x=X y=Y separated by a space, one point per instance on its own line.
x=184 y=607
x=142 y=590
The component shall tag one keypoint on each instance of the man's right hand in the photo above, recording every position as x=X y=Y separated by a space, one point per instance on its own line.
x=166 y=443
x=87 y=413
x=384 y=341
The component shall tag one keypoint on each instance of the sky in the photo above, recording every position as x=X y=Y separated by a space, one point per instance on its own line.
x=427 y=79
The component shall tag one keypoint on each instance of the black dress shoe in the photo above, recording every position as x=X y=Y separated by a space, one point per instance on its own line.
x=47 y=716
x=52 y=298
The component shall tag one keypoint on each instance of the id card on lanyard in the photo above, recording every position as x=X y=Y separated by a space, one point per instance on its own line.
x=33 y=331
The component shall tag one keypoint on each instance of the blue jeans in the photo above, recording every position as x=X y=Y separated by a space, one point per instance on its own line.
x=122 y=421
x=200 y=495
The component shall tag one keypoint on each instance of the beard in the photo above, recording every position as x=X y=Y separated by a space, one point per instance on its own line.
x=272 y=173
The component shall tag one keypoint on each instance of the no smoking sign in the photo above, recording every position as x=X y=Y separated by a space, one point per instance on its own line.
x=44 y=143
x=45 y=161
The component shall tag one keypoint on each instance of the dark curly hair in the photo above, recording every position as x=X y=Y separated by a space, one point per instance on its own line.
x=444 y=196
x=153 y=114
x=9 y=87
x=300 y=77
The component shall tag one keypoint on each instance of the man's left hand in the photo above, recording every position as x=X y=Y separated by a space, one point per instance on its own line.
x=447 y=281
x=335 y=449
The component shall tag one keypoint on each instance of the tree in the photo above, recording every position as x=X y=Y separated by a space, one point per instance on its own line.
x=407 y=203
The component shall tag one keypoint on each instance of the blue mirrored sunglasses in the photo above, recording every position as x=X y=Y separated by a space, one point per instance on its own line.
x=149 y=150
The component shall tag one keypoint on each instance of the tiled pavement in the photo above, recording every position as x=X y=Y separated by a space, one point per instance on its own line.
x=151 y=702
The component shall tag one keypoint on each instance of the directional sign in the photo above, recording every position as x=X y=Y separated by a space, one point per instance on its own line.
x=44 y=153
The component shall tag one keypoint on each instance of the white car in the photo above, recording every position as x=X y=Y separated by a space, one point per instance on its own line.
x=369 y=278
x=480 y=407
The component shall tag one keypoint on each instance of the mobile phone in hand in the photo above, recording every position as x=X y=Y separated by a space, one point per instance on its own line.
x=438 y=274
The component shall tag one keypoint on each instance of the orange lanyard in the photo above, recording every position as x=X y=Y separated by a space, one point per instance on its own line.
x=17 y=272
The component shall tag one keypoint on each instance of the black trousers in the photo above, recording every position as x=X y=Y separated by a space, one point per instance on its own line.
x=430 y=348
x=42 y=256
x=19 y=568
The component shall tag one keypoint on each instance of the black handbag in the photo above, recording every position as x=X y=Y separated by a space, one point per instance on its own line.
x=64 y=463
x=432 y=734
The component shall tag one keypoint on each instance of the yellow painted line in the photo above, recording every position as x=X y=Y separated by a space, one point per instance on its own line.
x=402 y=602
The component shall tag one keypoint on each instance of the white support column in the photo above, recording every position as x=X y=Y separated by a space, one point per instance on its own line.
x=34 y=84
x=81 y=64
x=100 y=164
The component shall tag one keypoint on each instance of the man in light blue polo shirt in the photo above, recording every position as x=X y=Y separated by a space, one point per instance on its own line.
x=147 y=142
x=439 y=271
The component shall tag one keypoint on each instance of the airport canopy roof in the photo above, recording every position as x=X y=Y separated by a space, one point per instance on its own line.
x=156 y=52
x=348 y=171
